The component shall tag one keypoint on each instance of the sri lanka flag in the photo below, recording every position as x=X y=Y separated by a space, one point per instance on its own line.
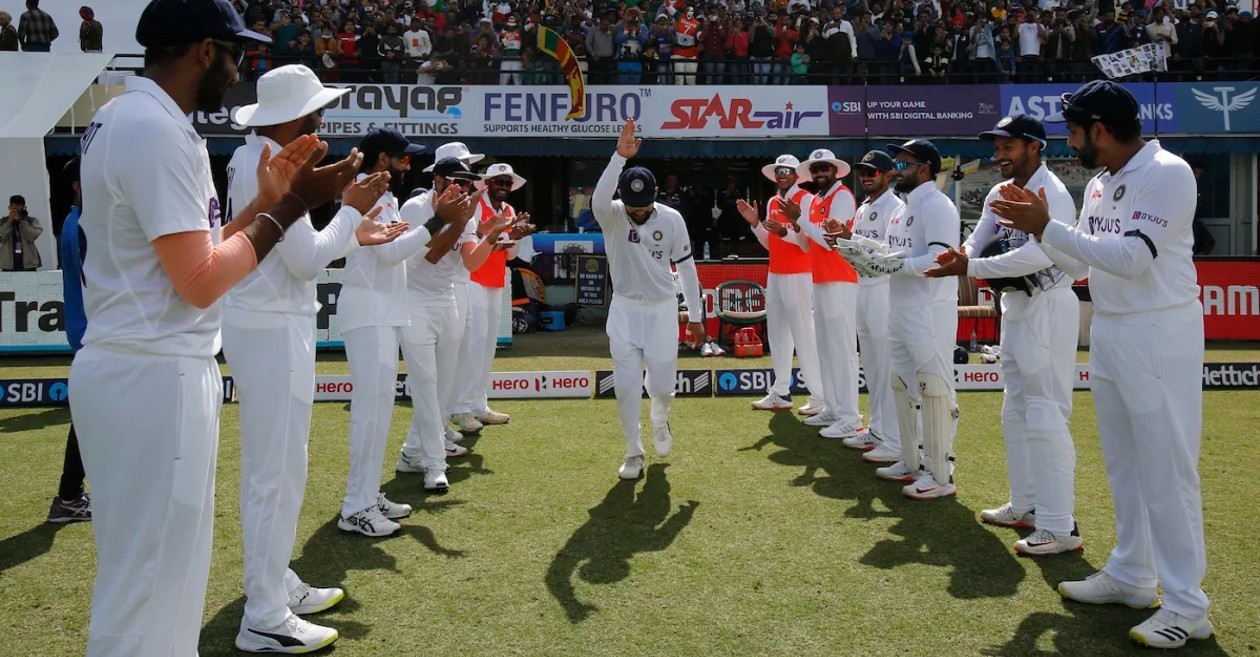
x=550 y=42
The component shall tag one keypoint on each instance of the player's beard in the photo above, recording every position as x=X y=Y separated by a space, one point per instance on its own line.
x=905 y=183
x=214 y=85
x=397 y=181
x=1088 y=153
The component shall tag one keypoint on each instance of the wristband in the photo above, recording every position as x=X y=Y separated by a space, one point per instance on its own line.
x=277 y=223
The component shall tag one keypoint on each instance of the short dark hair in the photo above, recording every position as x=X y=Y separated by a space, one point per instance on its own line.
x=17 y=199
x=1126 y=130
x=164 y=55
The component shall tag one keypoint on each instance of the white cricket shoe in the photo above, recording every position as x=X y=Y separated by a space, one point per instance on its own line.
x=717 y=349
x=453 y=450
x=820 y=420
x=407 y=464
x=632 y=468
x=435 y=481
x=491 y=417
x=1101 y=589
x=453 y=435
x=368 y=522
x=771 y=402
x=842 y=429
x=391 y=510
x=863 y=441
x=897 y=472
x=466 y=423
x=811 y=407
x=294 y=637
x=707 y=350
x=1168 y=629
x=1007 y=516
x=307 y=599
x=881 y=454
x=662 y=439
x=926 y=487
x=1045 y=543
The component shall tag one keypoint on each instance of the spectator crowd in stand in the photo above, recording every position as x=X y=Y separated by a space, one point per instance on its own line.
x=749 y=41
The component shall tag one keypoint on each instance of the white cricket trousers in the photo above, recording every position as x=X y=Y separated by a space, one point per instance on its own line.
x=372 y=352
x=835 y=306
x=684 y=70
x=472 y=381
x=922 y=341
x=510 y=72
x=790 y=324
x=149 y=433
x=872 y=332
x=1146 y=371
x=642 y=332
x=1039 y=365
x=430 y=347
x=272 y=358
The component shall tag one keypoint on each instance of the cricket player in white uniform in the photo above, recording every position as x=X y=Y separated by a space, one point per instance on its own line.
x=835 y=293
x=1146 y=356
x=923 y=316
x=485 y=298
x=269 y=342
x=643 y=239
x=1040 y=319
x=431 y=342
x=789 y=290
x=147 y=390
x=881 y=443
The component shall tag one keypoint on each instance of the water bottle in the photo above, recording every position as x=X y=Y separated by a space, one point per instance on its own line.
x=974 y=346
x=706 y=250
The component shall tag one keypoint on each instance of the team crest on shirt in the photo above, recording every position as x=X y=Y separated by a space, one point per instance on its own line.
x=1119 y=193
x=873 y=215
x=634 y=236
x=214 y=216
x=658 y=235
x=909 y=221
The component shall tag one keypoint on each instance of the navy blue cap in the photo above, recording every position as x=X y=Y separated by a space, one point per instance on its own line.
x=451 y=167
x=1020 y=126
x=1097 y=100
x=638 y=187
x=386 y=140
x=182 y=22
x=877 y=160
x=922 y=150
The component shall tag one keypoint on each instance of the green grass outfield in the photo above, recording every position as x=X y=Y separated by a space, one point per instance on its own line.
x=754 y=538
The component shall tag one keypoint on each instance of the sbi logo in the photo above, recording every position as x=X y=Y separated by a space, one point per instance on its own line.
x=728 y=381
x=846 y=107
x=58 y=392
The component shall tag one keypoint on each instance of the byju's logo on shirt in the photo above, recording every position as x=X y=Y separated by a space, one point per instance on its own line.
x=634 y=236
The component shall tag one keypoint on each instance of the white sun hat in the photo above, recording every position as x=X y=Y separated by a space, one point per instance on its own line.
x=501 y=169
x=789 y=161
x=822 y=155
x=285 y=94
x=457 y=150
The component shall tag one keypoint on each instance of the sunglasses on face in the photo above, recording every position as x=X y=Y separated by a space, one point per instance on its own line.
x=784 y=171
x=404 y=159
x=462 y=182
x=500 y=182
x=864 y=172
x=234 y=50
x=820 y=168
x=902 y=165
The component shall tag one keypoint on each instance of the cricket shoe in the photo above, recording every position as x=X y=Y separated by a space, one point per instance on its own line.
x=1101 y=589
x=881 y=454
x=490 y=417
x=1045 y=543
x=662 y=440
x=294 y=637
x=407 y=464
x=897 y=472
x=843 y=429
x=632 y=468
x=369 y=522
x=1169 y=629
x=707 y=350
x=453 y=435
x=820 y=420
x=391 y=510
x=771 y=402
x=926 y=487
x=435 y=481
x=717 y=349
x=863 y=441
x=307 y=599
x=1007 y=516
x=810 y=408
x=454 y=451
x=78 y=509
x=466 y=423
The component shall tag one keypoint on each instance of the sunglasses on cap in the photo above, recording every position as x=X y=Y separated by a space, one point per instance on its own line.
x=784 y=171
x=902 y=165
x=820 y=168
x=235 y=51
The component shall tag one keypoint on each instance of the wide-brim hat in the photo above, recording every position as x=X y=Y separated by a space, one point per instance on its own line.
x=501 y=169
x=286 y=93
x=822 y=155
x=457 y=150
x=780 y=162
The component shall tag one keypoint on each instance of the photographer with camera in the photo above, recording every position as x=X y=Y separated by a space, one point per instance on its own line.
x=17 y=238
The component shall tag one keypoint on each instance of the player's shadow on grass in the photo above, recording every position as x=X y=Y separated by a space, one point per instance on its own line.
x=620 y=526
x=1086 y=630
x=34 y=421
x=30 y=544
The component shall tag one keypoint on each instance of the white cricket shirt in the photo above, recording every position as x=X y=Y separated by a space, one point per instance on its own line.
x=374 y=283
x=1135 y=234
x=284 y=281
x=430 y=285
x=145 y=174
x=639 y=257
x=871 y=222
x=924 y=228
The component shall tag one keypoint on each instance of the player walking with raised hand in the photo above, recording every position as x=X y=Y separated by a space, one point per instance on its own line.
x=147 y=390
x=1040 y=316
x=789 y=290
x=269 y=342
x=1146 y=355
x=645 y=240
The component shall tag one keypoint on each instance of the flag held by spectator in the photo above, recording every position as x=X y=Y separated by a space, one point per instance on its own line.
x=549 y=42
